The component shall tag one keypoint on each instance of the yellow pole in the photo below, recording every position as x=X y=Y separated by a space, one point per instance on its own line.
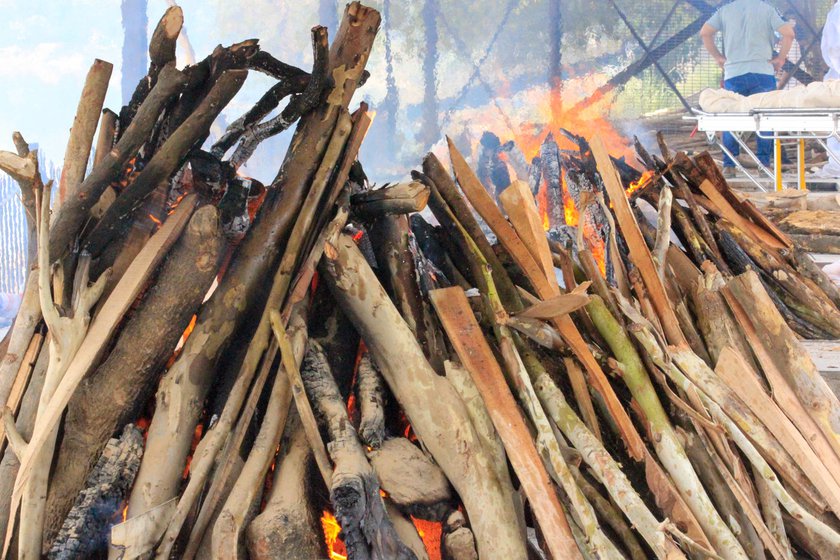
x=777 y=163
x=801 y=162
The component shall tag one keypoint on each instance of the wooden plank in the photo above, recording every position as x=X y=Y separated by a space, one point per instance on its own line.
x=734 y=371
x=639 y=252
x=463 y=330
x=724 y=209
x=521 y=208
x=484 y=205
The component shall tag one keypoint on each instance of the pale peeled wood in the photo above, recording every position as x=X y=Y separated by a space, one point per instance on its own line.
x=484 y=205
x=105 y=139
x=84 y=127
x=788 y=356
x=639 y=252
x=456 y=316
x=136 y=537
x=429 y=401
x=518 y=202
x=733 y=370
x=100 y=332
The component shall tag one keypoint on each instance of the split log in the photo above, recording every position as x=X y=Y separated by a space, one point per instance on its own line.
x=128 y=376
x=288 y=526
x=86 y=529
x=545 y=287
x=165 y=161
x=24 y=424
x=805 y=265
x=243 y=287
x=430 y=403
x=74 y=211
x=465 y=334
x=402 y=198
x=665 y=441
x=390 y=240
x=789 y=357
x=412 y=482
x=406 y=530
x=354 y=488
x=84 y=127
x=371 y=399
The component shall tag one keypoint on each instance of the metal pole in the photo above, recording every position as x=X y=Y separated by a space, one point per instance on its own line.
x=777 y=163
x=800 y=160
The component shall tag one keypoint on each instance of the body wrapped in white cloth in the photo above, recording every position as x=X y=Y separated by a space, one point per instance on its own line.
x=823 y=95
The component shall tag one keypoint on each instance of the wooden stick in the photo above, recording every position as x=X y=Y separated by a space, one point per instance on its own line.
x=465 y=334
x=74 y=211
x=98 y=334
x=429 y=401
x=639 y=252
x=84 y=127
x=485 y=206
x=105 y=139
x=402 y=198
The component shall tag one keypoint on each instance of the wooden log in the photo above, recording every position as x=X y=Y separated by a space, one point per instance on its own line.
x=431 y=404
x=128 y=376
x=402 y=198
x=228 y=530
x=664 y=438
x=788 y=356
x=244 y=286
x=85 y=531
x=817 y=243
x=74 y=211
x=458 y=540
x=485 y=206
x=406 y=530
x=84 y=127
x=288 y=526
x=165 y=161
x=161 y=53
x=390 y=240
x=99 y=333
x=371 y=399
x=639 y=252
x=354 y=488
x=805 y=265
x=107 y=133
x=412 y=482
x=465 y=334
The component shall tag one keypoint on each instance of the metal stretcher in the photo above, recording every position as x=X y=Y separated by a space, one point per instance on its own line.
x=773 y=124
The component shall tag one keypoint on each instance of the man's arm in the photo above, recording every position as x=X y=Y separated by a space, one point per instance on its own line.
x=786 y=31
x=707 y=33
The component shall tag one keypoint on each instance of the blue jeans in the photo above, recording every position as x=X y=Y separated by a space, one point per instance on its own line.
x=748 y=84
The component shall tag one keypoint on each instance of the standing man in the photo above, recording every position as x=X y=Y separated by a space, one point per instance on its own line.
x=749 y=30
x=830 y=46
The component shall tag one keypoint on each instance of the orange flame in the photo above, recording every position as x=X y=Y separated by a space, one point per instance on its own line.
x=335 y=546
x=429 y=532
x=641 y=183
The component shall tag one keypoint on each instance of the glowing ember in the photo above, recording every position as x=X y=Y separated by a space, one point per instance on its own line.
x=335 y=546
x=429 y=532
x=570 y=213
x=641 y=183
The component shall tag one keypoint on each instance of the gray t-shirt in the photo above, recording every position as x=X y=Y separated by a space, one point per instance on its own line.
x=749 y=33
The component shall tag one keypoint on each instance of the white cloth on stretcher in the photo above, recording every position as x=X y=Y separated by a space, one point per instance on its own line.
x=823 y=95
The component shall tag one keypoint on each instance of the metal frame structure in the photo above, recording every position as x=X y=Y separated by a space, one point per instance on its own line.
x=816 y=124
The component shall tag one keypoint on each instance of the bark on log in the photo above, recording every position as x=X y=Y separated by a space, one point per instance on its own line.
x=430 y=403
x=84 y=127
x=789 y=357
x=288 y=527
x=354 y=487
x=402 y=198
x=398 y=273
x=244 y=288
x=806 y=266
x=129 y=374
x=74 y=212
x=86 y=530
x=371 y=399
x=165 y=161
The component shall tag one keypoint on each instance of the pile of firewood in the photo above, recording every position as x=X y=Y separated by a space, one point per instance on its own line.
x=256 y=368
